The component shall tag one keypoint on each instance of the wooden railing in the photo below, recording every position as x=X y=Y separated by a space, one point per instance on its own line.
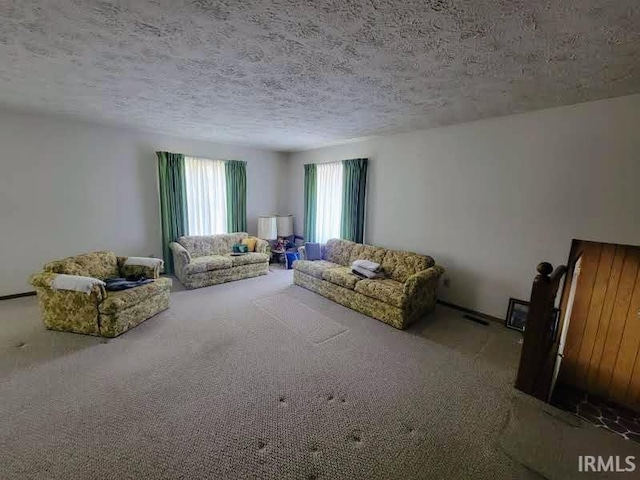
x=541 y=335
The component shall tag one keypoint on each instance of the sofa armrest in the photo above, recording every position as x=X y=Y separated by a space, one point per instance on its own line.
x=262 y=246
x=68 y=310
x=423 y=281
x=44 y=282
x=147 y=271
x=303 y=252
x=180 y=254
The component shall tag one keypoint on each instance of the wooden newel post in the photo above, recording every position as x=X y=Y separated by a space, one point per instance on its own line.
x=538 y=355
x=544 y=270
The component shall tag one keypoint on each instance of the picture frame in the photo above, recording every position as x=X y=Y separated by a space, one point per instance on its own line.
x=517 y=316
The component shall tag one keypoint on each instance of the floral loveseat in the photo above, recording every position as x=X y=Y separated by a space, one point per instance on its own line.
x=406 y=294
x=200 y=261
x=98 y=311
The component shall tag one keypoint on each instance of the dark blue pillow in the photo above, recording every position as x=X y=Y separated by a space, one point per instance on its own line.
x=313 y=251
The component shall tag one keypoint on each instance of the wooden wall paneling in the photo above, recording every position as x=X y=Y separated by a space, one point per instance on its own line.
x=592 y=323
x=622 y=379
x=612 y=344
x=605 y=320
x=590 y=260
x=633 y=394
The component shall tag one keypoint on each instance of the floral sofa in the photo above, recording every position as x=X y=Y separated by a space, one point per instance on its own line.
x=200 y=261
x=406 y=294
x=99 y=312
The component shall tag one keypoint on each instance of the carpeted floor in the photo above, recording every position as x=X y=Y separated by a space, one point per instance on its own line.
x=263 y=379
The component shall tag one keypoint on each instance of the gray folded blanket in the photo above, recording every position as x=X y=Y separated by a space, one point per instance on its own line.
x=367 y=265
x=364 y=273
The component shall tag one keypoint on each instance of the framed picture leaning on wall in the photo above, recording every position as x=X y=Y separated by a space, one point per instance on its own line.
x=517 y=316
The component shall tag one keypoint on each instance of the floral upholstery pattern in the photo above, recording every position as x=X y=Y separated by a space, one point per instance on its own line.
x=78 y=312
x=101 y=265
x=366 y=252
x=315 y=268
x=118 y=322
x=407 y=295
x=200 y=261
x=249 y=258
x=262 y=246
x=202 y=246
x=420 y=290
x=341 y=276
x=385 y=289
x=181 y=258
x=351 y=299
x=67 y=310
x=127 y=270
x=215 y=277
x=339 y=251
x=181 y=255
x=401 y=265
x=208 y=263
x=124 y=299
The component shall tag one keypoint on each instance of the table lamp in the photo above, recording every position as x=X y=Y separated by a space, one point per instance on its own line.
x=267 y=228
x=284 y=225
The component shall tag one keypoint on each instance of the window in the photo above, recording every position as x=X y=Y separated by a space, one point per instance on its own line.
x=329 y=201
x=334 y=200
x=206 y=196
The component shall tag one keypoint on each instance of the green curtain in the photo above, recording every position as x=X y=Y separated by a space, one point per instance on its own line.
x=310 y=202
x=354 y=189
x=173 y=202
x=236 y=178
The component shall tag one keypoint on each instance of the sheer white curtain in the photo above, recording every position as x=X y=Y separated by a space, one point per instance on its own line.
x=329 y=201
x=206 y=196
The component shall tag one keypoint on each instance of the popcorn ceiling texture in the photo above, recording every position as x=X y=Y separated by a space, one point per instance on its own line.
x=294 y=74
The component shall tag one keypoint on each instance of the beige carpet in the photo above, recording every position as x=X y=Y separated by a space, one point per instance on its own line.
x=229 y=384
x=302 y=320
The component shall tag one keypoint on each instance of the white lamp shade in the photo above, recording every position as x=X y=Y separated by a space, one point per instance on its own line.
x=285 y=225
x=267 y=228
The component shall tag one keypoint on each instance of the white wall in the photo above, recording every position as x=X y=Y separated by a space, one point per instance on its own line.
x=491 y=199
x=68 y=187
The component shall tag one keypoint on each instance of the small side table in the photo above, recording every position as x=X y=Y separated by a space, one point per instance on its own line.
x=277 y=256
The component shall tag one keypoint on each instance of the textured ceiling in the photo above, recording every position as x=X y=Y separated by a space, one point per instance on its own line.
x=294 y=74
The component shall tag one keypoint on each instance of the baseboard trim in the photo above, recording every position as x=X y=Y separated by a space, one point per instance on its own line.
x=491 y=318
x=18 y=295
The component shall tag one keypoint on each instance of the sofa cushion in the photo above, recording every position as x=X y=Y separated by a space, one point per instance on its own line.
x=386 y=290
x=367 y=252
x=250 y=242
x=313 y=251
x=341 y=276
x=339 y=251
x=399 y=265
x=205 y=245
x=118 y=301
x=208 y=263
x=249 y=259
x=315 y=268
x=101 y=265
